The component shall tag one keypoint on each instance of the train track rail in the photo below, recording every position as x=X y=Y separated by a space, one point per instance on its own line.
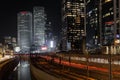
x=56 y=70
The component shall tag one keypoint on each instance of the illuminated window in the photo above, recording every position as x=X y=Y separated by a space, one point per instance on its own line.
x=96 y=14
x=88 y=1
x=107 y=14
x=107 y=1
x=111 y=13
x=68 y=4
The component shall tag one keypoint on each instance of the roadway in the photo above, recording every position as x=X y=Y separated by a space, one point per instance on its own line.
x=56 y=67
x=57 y=70
x=100 y=72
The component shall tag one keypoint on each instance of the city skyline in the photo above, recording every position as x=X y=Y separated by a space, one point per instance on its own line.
x=8 y=15
x=60 y=39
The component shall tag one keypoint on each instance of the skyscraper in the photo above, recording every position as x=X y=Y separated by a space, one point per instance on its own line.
x=111 y=24
x=74 y=22
x=110 y=20
x=24 y=27
x=39 y=20
x=92 y=22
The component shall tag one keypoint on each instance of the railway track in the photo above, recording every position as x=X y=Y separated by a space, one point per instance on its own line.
x=59 y=72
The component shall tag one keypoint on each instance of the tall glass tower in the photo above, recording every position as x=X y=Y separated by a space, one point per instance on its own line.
x=111 y=24
x=39 y=26
x=92 y=22
x=24 y=27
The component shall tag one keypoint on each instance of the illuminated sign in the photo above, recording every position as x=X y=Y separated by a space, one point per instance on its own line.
x=44 y=48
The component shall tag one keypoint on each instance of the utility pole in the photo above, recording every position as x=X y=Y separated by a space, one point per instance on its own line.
x=87 y=63
x=100 y=20
x=110 y=67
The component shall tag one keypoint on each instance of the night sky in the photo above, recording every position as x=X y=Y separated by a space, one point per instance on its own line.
x=10 y=8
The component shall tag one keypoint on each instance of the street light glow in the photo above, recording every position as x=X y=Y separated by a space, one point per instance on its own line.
x=17 y=49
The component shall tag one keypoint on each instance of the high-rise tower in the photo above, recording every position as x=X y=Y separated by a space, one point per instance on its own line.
x=39 y=20
x=93 y=22
x=74 y=23
x=111 y=24
x=24 y=27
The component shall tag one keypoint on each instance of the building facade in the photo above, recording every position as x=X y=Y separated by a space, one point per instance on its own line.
x=10 y=42
x=39 y=20
x=111 y=24
x=103 y=23
x=24 y=29
x=73 y=13
x=92 y=23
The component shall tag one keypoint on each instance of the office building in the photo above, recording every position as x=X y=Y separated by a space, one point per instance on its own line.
x=73 y=13
x=111 y=24
x=93 y=23
x=24 y=28
x=39 y=21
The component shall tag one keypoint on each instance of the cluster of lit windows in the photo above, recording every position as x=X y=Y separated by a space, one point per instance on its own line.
x=107 y=1
x=76 y=8
x=68 y=4
x=82 y=5
x=95 y=37
x=94 y=24
x=75 y=30
x=83 y=15
x=74 y=13
x=92 y=17
x=76 y=34
x=107 y=14
x=108 y=34
x=74 y=38
x=93 y=11
x=93 y=20
x=70 y=15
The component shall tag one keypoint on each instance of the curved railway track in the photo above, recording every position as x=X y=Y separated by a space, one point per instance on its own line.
x=58 y=70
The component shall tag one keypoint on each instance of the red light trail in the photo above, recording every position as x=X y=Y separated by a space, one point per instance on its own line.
x=80 y=66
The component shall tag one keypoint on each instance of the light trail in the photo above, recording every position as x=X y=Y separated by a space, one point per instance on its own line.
x=81 y=66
